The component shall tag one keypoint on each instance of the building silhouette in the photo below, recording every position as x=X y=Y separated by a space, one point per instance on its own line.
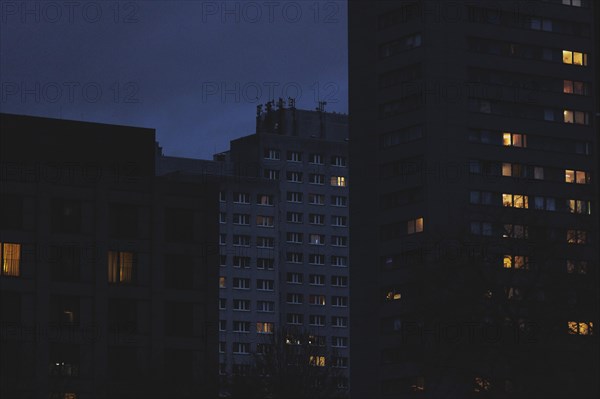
x=284 y=239
x=107 y=285
x=474 y=143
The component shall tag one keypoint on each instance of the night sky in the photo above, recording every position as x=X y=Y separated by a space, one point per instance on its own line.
x=193 y=70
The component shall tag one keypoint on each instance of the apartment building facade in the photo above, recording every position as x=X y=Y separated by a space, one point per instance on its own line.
x=474 y=142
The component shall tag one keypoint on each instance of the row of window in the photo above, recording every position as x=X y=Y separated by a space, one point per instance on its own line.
x=297 y=177
x=535 y=142
x=519 y=170
x=521 y=110
x=291 y=196
x=269 y=263
x=522 y=201
x=520 y=231
x=242 y=240
x=243 y=219
x=316 y=320
x=319 y=300
x=396 y=230
x=296 y=156
x=316 y=279
x=243 y=348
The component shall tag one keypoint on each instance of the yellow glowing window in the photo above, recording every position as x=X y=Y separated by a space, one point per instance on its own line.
x=580 y=327
x=567 y=57
x=506 y=169
x=393 y=296
x=577 y=58
x=69 y=395
x=339 y=181
x=222 y=282
x=507 y=262
x=569 y=176
x=507 y=199
x=520 y=262
x=264 y=328
x=419 y=225
x=581 y=177
x=318 y=361
x=506 y=139
x=520 y=201
x=10 y=255
x=568 y=86
x=120 y=267
x=568 y=116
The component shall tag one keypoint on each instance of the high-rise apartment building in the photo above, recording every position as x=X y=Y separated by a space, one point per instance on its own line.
x=474 y=239
x=284 y=239
x=106 y=271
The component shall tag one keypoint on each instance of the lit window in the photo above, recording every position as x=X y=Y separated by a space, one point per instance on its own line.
x=580 y=206
x=481 y=385
x=515 y=200
x=580 y=327
x=120 y=267
x=506 y=169
x=338 y=181
x=574 y=58
x=515 y=262
x=415 y=226
x=393 y=295
x=577 y=266
x=222 y=282
x=576 y=236
x=514 y=139
x=318 y=361
x=316 y=300
x=576 y=176
x=10 y=256
x=264 y=328
x=418 y=385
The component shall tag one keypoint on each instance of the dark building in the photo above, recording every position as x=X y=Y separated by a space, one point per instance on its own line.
x=284 y=242
x=108 y=279
x=474 y=148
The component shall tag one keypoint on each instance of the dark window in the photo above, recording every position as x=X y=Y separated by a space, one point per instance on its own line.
x=11 y=212
x=66 y=216
x=122 y=316
x=179 y=272
x=65 y=263
x=64 y=310
x=124 y=221
x=122 y=362
x=179 y=319
x=179 y=364
x=10 y=307
x=179 y=224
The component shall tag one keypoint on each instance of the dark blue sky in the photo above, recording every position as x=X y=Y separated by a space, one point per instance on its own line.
x=193 y=70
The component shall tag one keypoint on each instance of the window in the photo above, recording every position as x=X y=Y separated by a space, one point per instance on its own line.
x=316 y=259
x=339 y=261
x=241 y=261
x=576 y=237
x=222 y=239
x=577 y=266
x=294 y=299
x=545 y=203
x=64 y=310
x=241 y=326
x=241 y=219
x=66 y=216
x=222 y=282
x=314 y=218
x=222 y=217
x=580 y=206
x=316 y=361
x=575 y=87
x=414 y=226
x=265 y=263
x=481 y=384
x=241 y=305
x=515 y=201
x=241 y=348
x=265 y=306
x=10 y=256
x=577 y=117
x=340 y=322
x=265 y=285
x=516 y=262
x=11 y=211
x=294 y=238
x=339 y=301
x=293 y=196
x=538 y=173
x=241 y=240
x=294 y=257
x=316 y=239
x=315 y=159
x=265 y=242
x=577 y=176
x=574 y=3
x=339 y=342
x=339 y=221
x=392 y=295
x=295 y=318
x=337 y=200
x=574 y=58
x=64 y=360
x=340 y=362
x=120 y=267
x=316 y=320
x=339 y=281
x=264 y=221
x=222 y=325
x=316 y=300
x=338 y=181
x=294 y=177
x=580 y=327
x=271 y=153
x=339 y=241
x=338 y=161
x=294 y=156
x=264 y=349
x=294 y=217
x=316 y=199
x=264 y=199
x=241 y=198
x=481 y=197
x=294 y=278
x=271 y=174
x=241 y=283
x=316 y=279
x=481 y=228
x=515 y=231
x=315 y=178
x=514 y=140
x=222 y=346
x=264 y=327
x=222 y=303
x=222 y=196
x=123 y=221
